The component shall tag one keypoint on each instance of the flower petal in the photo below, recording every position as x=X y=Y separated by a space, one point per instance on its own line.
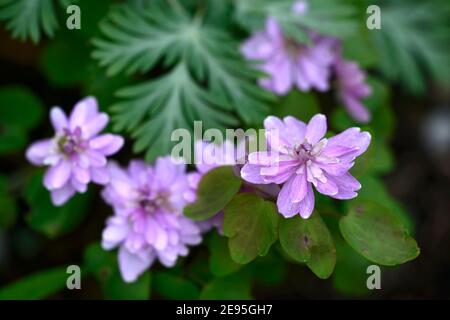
x=100 y=175
x=107 y=144
x=38 y=151
x=252 y=173
x=57 y=176
x=131 y=266
x=284 y=202
x=306 y=207
x=316 y=128
x=62 y=195
x=83 y=111
x=94 y=125
x=59 y=119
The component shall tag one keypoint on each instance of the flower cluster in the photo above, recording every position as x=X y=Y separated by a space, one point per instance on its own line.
x=76 y=155
x=289 y=63
x=148 y=221
x=148 y=201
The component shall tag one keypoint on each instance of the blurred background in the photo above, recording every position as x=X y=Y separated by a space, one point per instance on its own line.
x=408 y=64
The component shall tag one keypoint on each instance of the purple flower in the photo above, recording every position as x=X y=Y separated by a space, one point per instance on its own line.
x=352 y=88
x=299 y=157
x=148 y=221
x=289 y=63
x=76 y=154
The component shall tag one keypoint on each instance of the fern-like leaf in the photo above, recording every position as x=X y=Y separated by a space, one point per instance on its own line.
x=204 y=76
x=27 y=19
x=330 y=17
x=415 y=43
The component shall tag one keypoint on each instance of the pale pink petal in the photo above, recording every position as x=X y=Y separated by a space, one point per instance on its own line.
x=38 y=151
x=83 y=112
x=62 y=195
x=284 y=202
x=100 y=175
x=131 y=266
x=316 y=128
x=59 y=119
x=252 y=173
x=306 y=207
x=107 y=144
x=94 y=125
x=57 y=176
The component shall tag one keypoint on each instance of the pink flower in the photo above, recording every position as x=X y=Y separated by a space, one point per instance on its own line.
x=148 y=221
x=298 y=157
x=76 y=155
x=352 y=88
x=289 y=63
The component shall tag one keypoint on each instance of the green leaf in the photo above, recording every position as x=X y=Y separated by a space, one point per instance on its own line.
x=300 y=105
x=236 y=286
x=220 y=262
x=8 y=207
x=350 y=274
x=330 y=17
x=361 y=48
x=48 y=219
x=29 y=19
x=12 y=139
x=409 y=44
x=377 y=234
x=309 y=241
x=16 y=102
x=373 y=189
x=252 y=226
x=36 y=286
x=203 y=75
x=103 y=265
x=170 y=286
x=215 y=190
x=66 y=61
x=269 y=270
x=378 y=159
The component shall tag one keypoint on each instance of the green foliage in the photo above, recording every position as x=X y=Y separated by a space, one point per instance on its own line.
x=170 y=286
x=328 y=17
x=215 y=190
x=36 y=286
x=360 y=47
x=412 y=43
x=300 y=105
x=29 y=19
x=269 y=270
x=374 y=190
x=15 y=102
x=236 y=286
x=350 y=273
x=8 y=207
x=193 y=54
x=103 y=266
x=251 y=223
x=377 y=234
x=309 y=241
x=220 y=262
x=65 y=61
x=53 y=221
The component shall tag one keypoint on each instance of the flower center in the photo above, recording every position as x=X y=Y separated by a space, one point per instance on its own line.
x=71 y=142
x=150 y=204
x=303 y=151
x=292 y=47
